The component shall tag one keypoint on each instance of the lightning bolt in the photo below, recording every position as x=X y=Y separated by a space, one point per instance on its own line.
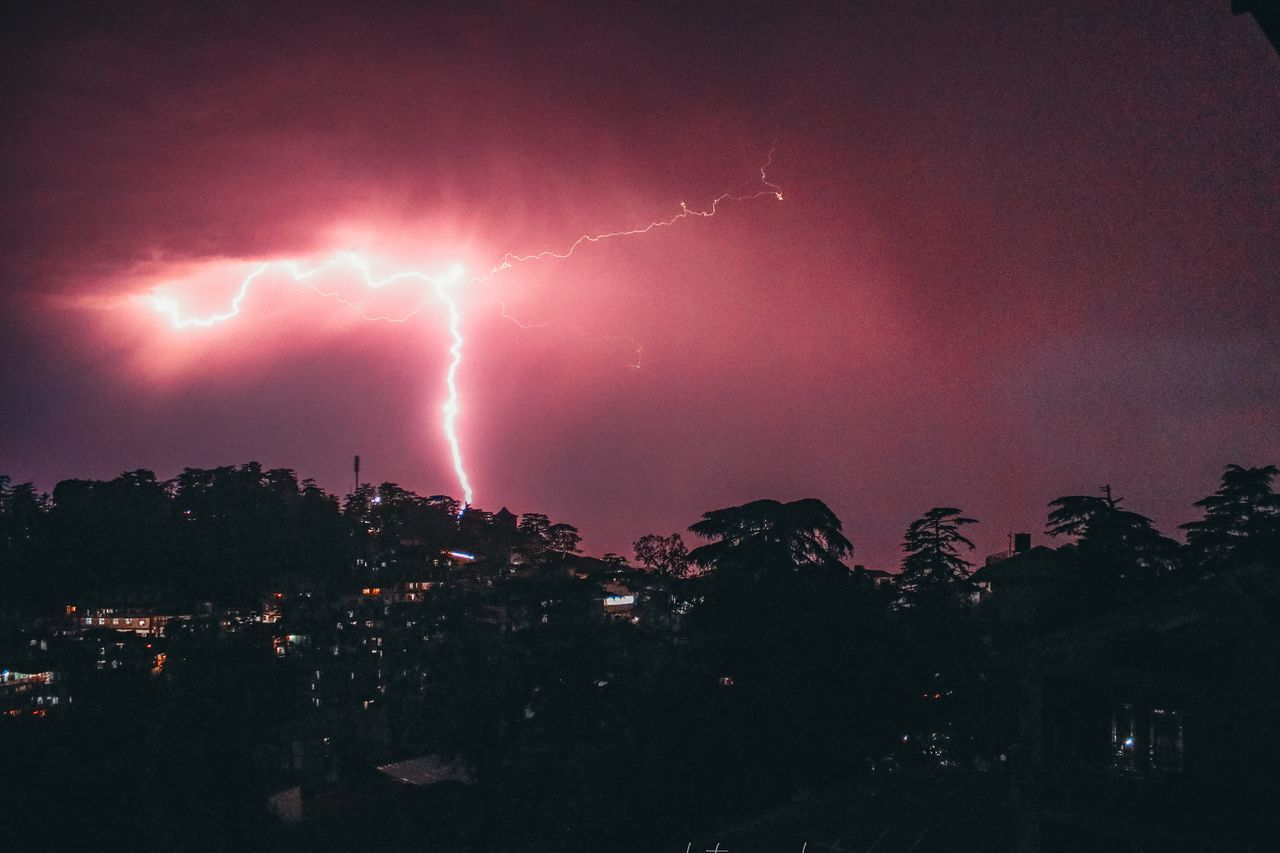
x=770 y=189
x=169 y=306
x=451 y=382
x=441 y=286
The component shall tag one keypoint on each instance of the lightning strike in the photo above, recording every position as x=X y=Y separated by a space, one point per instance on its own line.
x=771 y=189
x=441 y=286
x=169 y=306
x=450 y=407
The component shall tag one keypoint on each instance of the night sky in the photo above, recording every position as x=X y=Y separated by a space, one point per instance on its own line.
x=1025 y=249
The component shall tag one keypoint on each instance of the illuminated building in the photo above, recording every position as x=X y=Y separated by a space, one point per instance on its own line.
x=31 y=693
x=876 y=576
x=619 y=600
x=1026 y=588
x=135 y=622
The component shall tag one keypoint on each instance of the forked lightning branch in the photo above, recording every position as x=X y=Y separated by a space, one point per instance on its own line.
x=442 y=285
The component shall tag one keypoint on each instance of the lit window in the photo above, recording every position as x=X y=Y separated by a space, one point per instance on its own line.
x=1146 y=740
x=1124 y=738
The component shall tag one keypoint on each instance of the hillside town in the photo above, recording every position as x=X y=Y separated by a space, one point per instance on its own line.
x=391 y=667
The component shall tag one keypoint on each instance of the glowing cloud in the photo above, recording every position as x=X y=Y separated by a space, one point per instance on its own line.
x=442 y=286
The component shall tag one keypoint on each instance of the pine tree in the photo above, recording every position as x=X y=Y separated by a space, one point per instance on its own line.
x=1241 y=523
x=1112 y=543
x=768 y=535
x=933 y=568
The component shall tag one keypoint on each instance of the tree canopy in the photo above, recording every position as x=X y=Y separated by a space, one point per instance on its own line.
x=1113 y=544
x=1241 y=523
x=767 y=535
x=666 y=555
x=933 y=565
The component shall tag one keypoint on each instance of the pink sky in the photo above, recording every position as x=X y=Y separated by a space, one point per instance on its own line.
x=1023 y=252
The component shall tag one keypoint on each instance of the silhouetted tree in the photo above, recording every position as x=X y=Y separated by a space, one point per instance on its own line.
x=106 y=535
x=22 y=510
x=792 y=637
x=666 y=555
x=533 y=535
x=1241 y=523
x=23 y=537
x=933 y=569
x=1113 y=544
x=320 y=536
x=767 y=535
x=399 y=533
x=358 y=504
x=534 y=525
x=539 y=539
x=241 y=530
x=563 y=538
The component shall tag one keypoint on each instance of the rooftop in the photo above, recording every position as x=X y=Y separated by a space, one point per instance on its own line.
x=427 y=770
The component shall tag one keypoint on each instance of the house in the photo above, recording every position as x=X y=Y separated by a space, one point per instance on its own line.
x=1156 y=726
x=618 y=599
x=393 y=592
x=426 y=770
x=878 y=577
x=30 y=693
x=142 y=623
x=1027 y=588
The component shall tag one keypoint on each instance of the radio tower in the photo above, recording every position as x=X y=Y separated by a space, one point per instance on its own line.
x=357 y=469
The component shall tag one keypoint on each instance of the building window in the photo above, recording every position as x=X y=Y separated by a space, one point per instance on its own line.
x=1166 y=740
x=1124 y=738
x=1146 y=740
